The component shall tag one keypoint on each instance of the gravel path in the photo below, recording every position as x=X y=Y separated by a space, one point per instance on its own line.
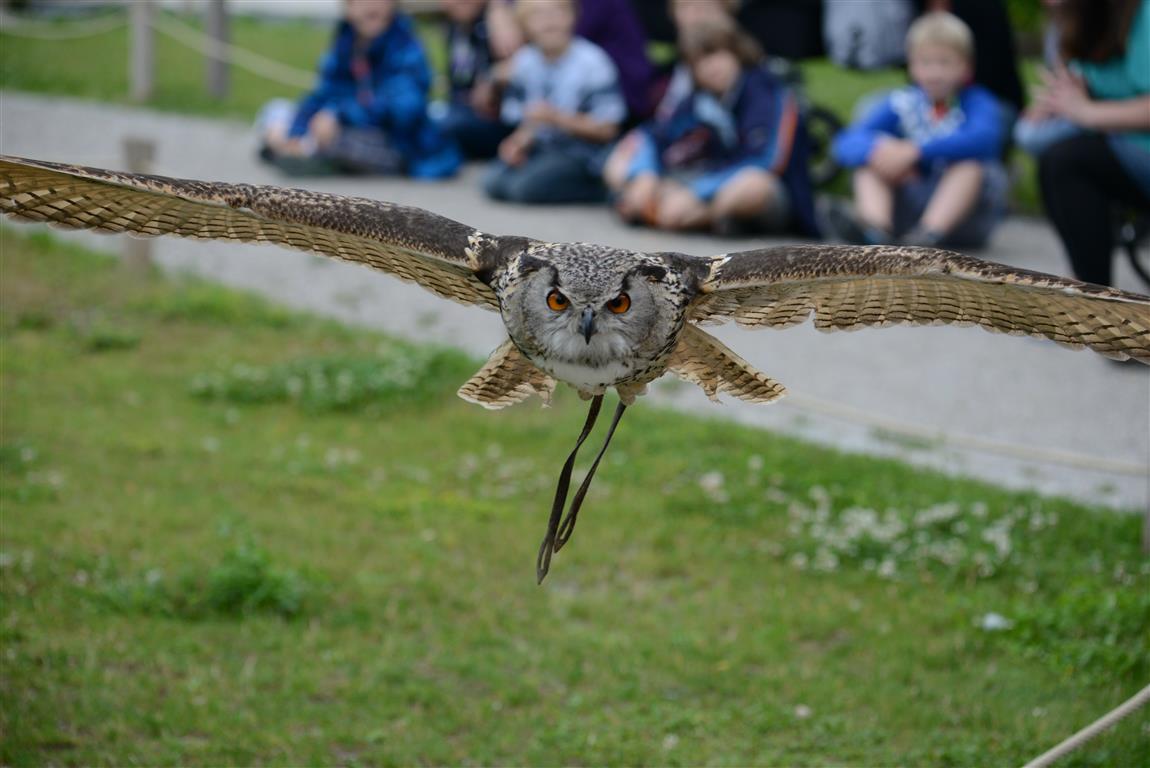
x=1017 y=412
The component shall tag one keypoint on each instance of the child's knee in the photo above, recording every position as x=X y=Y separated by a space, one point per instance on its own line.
x=679 y=210
x=970 y=170
x=750 y=190
x=615 y=169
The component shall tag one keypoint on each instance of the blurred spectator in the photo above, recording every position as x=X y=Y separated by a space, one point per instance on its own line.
x=867 y=35
x=732 y=155
x=563 y=94
x=995 y=55
x=792 y=29
x=613 y=26
x=684 y=14
x=472 y=113
x=368 y=112
x=927 y=155
x=1106 y=94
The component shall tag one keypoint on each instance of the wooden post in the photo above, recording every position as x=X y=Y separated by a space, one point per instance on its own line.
x=138 y=156
x=216 y=25
x=142 y=58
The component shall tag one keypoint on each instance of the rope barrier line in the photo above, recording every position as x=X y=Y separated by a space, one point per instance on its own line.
x=1111 y=718
x=11 y=24
x=1013 y=450
x=190 y=37
x=252 y=62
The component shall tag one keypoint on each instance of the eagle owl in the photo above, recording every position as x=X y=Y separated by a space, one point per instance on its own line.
x=593 y=316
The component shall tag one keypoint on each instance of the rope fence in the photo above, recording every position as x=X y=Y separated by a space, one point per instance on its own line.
x=171 y=28
x=1110 y=719
x=249 y=61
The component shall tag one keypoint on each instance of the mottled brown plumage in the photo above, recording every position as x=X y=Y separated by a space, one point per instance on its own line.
x=582 y=337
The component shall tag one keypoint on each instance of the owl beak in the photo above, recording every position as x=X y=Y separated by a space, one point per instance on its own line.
x=587 y=324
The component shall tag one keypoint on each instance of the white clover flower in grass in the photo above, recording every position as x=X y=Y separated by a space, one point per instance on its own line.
x=713 y=486
x=825 y=561
x=775 y=496
x=993 y=622
x=998 y=536
x=887 y=568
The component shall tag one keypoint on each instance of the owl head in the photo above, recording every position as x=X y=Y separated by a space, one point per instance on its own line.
x=590 y=306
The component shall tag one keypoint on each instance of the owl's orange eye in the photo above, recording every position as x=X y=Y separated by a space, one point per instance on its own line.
x=619 y=304
x=557 y=301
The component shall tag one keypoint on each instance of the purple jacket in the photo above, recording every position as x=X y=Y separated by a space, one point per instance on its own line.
x=614 y=26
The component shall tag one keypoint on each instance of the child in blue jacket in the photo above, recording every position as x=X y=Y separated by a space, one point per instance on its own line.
x=927 y=156
x=368 y=112
x=732 y=156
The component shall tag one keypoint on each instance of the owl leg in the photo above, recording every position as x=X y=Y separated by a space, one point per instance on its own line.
x=567 y=527
x=547 y=548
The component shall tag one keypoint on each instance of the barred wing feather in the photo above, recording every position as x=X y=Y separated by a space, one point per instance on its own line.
x=849 y=287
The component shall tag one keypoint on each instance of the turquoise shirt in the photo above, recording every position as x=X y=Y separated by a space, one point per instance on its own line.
x=1125 y=77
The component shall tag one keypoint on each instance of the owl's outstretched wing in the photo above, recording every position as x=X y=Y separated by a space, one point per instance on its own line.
x=442 y=255
x=848 y=287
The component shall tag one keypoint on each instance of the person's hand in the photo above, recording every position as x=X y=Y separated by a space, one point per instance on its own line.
x=1065 y=95
x=1037 y=112
x=324 y=128
x=544 y=113
x=894 y=159
x=638 y=199
x=292 y=148
x=513 y=150
x=281 y=144
x=484 y=99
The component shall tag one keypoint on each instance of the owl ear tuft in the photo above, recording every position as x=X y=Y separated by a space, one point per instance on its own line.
x=529 y=264
x=652 y=272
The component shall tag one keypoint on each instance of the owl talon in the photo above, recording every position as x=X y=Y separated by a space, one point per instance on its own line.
x=547 y=548
x=567 y=526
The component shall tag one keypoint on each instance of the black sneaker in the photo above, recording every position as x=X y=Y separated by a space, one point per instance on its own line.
x=922 y=238
x=844 y=226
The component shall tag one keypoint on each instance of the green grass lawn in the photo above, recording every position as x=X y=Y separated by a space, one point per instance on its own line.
x=232 y=534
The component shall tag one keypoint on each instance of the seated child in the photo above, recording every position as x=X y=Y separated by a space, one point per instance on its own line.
x=733 y=154
x=472 y=110
x=563 y=95
x=613 y=25
x=368 y=112
x=927 y=155
x=683 y=14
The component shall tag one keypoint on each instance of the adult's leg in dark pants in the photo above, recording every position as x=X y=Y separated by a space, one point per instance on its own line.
x=1081 y=181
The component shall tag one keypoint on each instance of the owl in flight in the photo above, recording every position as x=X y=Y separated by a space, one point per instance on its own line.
x=593 y=316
